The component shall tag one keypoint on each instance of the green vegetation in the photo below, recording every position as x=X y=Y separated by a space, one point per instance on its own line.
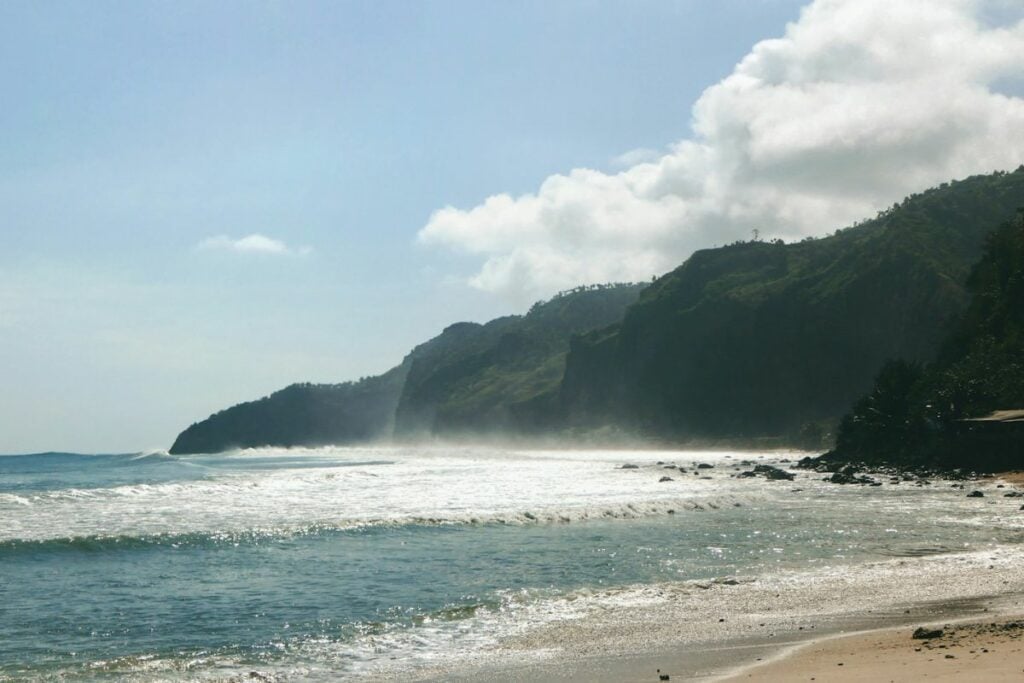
x=471 y=378
x=922 y=416
x=301 y=415
x=757 y=338
x=503 y=376
x=757 y=341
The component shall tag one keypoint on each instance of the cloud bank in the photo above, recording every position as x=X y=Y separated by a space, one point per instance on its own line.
x=250 y=244
x=860 y=103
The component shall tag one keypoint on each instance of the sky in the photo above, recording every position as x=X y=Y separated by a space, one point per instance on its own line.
x=201 y=203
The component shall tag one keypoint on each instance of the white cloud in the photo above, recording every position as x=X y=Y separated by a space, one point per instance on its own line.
x=640 y=155
x=860 y=103
x=250 y=244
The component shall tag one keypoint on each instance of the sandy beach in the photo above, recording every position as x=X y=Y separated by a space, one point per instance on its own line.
x=979 y=651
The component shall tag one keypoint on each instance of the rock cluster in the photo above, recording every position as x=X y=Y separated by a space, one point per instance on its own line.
x=768 y=472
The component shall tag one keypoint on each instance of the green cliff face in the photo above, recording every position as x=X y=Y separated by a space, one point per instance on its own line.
x=503 y=376
x=917 y=415
x=771 y=339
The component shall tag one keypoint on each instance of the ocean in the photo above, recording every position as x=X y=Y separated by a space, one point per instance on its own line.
x=399 y=562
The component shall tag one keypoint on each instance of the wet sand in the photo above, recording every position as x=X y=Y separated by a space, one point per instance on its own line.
x=793 y=655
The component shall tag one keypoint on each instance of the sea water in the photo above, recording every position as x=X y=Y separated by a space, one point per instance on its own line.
x=386 y=562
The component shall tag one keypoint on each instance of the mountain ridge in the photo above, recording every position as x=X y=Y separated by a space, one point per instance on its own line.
x=752 y=340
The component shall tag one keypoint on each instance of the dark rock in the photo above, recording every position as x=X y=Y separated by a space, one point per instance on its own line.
x=850 y=478
x=768 y=472
x=704 y=466
x=975 y=494
x=665 y=479
x=628 y=466
x=1013 y=494
x=922 y=633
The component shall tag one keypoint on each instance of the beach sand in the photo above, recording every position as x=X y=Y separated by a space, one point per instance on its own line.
x=981 y=651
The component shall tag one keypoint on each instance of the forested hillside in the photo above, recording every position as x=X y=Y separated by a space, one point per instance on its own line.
x=927 y=415
x=503 y=376
x=765 y=338
x=755 y=339
x=471 y=378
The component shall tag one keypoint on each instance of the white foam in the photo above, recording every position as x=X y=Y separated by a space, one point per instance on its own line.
x=339 y=488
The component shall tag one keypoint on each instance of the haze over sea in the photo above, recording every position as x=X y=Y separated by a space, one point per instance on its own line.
x=382 y=562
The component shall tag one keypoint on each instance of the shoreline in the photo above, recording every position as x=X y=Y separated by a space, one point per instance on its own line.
x=853 y=642
x=809 y=624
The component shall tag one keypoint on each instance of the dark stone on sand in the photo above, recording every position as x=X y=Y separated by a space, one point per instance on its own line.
x=704 y=466
x=975 y=494
x=1013 y=494
x=628 y=466
x=665 y=479
x=923 y=633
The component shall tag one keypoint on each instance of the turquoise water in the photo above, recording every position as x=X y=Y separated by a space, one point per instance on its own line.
x=324 y=563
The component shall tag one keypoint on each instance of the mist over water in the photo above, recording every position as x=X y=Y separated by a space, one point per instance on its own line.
x=357 y=562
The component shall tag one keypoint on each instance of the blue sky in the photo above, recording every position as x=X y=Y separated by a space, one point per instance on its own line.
x=360 y=142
